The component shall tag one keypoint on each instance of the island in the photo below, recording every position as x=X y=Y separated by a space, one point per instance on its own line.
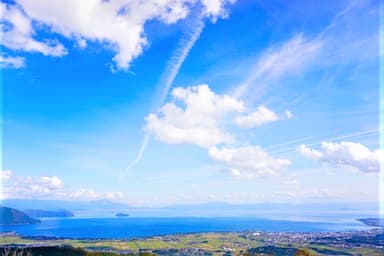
x=122 y=214
x=10 y=216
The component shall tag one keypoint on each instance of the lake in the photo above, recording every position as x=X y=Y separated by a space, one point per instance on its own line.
x=130 y=227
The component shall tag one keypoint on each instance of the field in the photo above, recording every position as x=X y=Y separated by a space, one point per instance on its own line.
x=232 y=243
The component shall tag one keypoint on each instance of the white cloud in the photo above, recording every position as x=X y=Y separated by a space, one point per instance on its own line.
x=11 y=62
x=84 y=194
x=248 y=161
x=33 y=187
x=116 y=25
x=346 y=154
x=322 y=193
x=197 y=115
x=90 y=194
x=17 y=33
x=309 y=153
x=114 y=195
x=52 y=182
x=82 y=43
x=289 y=58
x=288 y=114
x=215 y=8
x=47 y=187
x=5 y=175
x=291 y=182
x=259 y=117
x=196 y=120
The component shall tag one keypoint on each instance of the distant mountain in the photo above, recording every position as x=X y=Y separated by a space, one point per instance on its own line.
x=37 y=213
x=122 y=215
x=79 y=208
x=262 y=210
x=374 y=222
x=10 y=216
x=214 y=209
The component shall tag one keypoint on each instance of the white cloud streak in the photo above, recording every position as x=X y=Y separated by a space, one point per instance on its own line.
x=178 y=57
x=173 y=66
x=11 y=62
x=139 y=156
x=348 y=155
x=213 y=9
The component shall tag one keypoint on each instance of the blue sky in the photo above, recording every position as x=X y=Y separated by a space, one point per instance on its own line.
x=179 y=101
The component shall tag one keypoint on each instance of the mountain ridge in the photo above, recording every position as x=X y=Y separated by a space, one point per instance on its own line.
x=11 y=216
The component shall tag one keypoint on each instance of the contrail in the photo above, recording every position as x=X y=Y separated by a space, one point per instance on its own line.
x=172 y=69
x=178 y=57
x=139 y=156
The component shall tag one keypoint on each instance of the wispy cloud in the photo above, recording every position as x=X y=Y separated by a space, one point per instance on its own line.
x=338 y=44
x=289 y=58
x=354 y=28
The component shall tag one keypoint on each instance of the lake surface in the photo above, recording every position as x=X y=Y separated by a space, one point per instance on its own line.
x=131 y=227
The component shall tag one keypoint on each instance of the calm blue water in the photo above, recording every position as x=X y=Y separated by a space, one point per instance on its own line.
x=142 y=227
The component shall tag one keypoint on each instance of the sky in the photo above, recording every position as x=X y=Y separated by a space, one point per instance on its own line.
x=166 y=102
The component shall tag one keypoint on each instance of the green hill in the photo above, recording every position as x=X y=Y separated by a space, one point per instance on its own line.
x=10 y=216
